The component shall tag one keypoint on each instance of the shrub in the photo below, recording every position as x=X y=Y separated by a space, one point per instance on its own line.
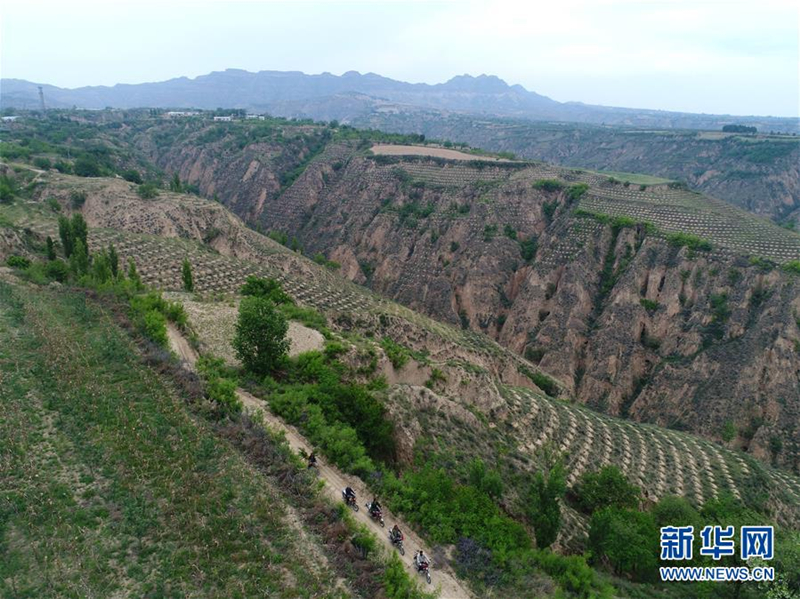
x=147 y=191
x=792 y=266
x=7 y=190
x=132 y=175
x=693 y=242
x=605 y=488
x=487 y=481
x=649 y=305
x=86 y=167
x=541 y=380
x=18 y=262
x=221 y=390
x=57 y=270
x=436 y=376
x=77 y=199
x=260 y=340
x=549 y=185
x=42 y=163
x=155 y=327
x=528 y=248
x=266 y=288
x=398 y=355
x=577 y=191
x=729 y=431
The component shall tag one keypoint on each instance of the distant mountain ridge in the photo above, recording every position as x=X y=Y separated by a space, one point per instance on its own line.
x=353 y=95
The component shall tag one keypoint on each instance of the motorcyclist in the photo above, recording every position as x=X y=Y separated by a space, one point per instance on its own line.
x=420 y=559
x=396 y=534
x=374 y=507
x=349 y=494
x=312 y=460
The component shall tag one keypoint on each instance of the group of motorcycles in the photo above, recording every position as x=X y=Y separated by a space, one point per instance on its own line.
x=395 y=537
x=421 y=561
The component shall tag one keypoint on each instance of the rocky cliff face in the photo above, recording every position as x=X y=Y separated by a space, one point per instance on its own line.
x=630 y=324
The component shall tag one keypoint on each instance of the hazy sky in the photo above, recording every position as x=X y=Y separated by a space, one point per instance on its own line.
x=698 y=56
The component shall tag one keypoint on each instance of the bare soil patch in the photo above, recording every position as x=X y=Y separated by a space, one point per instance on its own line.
x=394 y=150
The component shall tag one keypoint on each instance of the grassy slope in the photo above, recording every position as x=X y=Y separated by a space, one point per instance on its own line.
x=108 y=486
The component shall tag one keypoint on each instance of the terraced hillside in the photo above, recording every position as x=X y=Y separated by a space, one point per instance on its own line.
x=484 y=402
x=535 y=418
x=522 y=253
x=758 y=173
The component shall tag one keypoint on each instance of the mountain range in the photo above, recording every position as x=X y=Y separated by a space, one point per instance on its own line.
x=354 y=95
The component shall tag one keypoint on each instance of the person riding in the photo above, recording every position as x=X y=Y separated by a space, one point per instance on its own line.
x=396 y=534
x=421 y=559
x=374 y=507
x=349 y=494
x=312 y=460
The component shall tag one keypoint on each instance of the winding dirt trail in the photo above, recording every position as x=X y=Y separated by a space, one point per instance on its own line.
x=442 y=578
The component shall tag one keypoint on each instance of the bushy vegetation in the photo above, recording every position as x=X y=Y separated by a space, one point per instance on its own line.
x=549 y=185
x=606 y=488
x=693 y=242
x=543 y=507
x=398 y=354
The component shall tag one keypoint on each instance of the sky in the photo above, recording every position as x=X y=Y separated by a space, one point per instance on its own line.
x=723 y=57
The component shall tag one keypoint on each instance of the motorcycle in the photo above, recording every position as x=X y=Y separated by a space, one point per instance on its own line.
x=350 y=501
x=398 y=542
x=424 y=568
x=375 y=514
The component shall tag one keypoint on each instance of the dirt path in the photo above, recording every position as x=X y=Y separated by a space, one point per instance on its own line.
x=442 y=577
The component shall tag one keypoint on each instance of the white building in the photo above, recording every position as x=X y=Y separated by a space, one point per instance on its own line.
x=223 y=118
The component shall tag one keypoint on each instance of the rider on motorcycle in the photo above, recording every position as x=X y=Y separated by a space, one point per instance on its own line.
x=421 y=559
x=374 y=507
x=312 y=460
x=396 y=534
x=349 y=494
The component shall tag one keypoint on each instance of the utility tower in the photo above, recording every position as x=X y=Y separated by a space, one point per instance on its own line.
x=41 y=98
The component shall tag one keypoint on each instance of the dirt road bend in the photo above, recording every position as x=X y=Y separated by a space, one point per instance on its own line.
x=443 y=578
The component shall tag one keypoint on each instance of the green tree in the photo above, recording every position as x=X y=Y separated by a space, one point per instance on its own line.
x=79 y=259
x=626 y=540
x=175 y=184
x=543 y=507
x=86 y=167
x=186 y=275
x=101 y=268
x=260 y=340
x=133 y=275
x=51 y=248
x=6 y=190
x=487 y=481
x=606 y=488
x=113 y=260
x=267 y=288
x=65 y=233
x=80 y=230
